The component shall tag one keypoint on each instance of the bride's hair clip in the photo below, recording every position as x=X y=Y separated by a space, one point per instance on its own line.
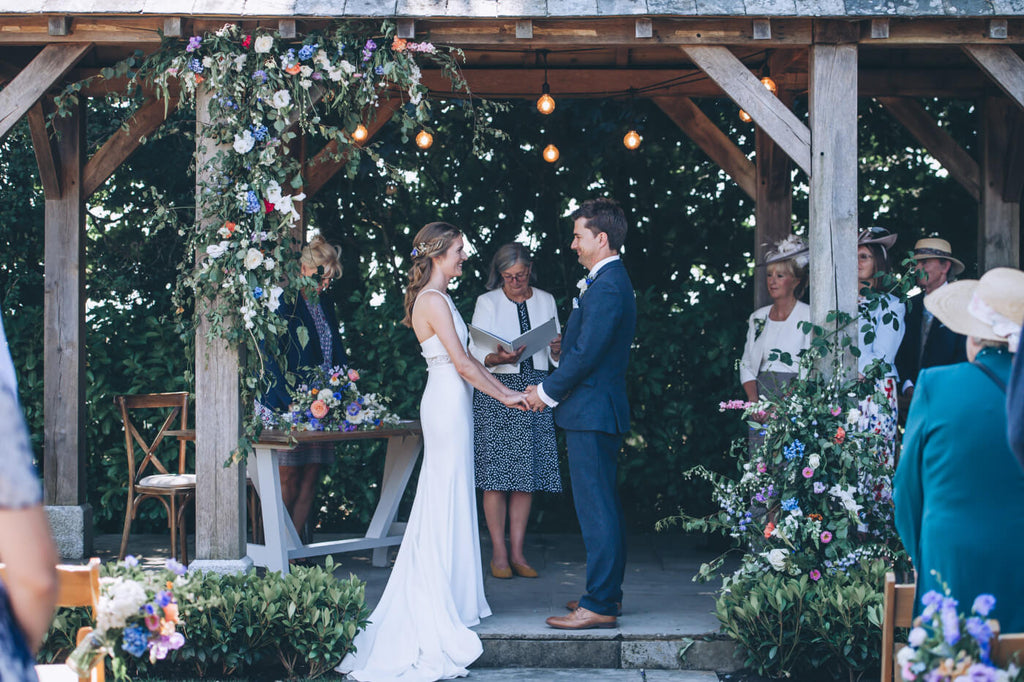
x=425 y=248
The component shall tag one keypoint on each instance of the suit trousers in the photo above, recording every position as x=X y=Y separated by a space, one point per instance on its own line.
x=593 y=465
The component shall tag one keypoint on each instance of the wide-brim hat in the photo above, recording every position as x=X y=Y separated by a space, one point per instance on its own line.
x=792 y=247
x=988 y=308
x=876 y=235
x=933 y=247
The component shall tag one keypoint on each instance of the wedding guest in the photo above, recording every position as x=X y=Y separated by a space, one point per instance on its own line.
x=959 y=494
x=300 y=467
x=28 y=591
x=1015 y=406
x=880 y=329
x=515 y=450
x=928 y=342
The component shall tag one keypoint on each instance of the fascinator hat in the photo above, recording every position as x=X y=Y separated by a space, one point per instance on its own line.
x=792 y=247
x=988 y=308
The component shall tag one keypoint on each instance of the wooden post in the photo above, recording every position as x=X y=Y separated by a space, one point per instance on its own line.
x=220 y=490
x=773 y=212
x=832 y=91
x=998 y=215
x=64 y=328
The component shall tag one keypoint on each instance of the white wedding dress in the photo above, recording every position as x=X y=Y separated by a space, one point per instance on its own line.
x=420 y=628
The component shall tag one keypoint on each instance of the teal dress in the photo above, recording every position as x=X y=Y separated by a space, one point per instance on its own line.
x=958 y=490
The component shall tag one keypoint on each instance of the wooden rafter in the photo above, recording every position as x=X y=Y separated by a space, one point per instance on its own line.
x=121 y=144
x=46 y=154
x=47 y=68
x=709 y=137
x=937 y=141
x=743 y=87
x=1003 y=66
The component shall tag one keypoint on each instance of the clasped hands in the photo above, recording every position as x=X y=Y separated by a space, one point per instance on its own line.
x=528 y=400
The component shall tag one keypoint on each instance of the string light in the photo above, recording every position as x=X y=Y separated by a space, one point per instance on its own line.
x=632 y=140
x=551 y=153
x=745 y=117
x=424 y=139
x=769 y=85
x=360 y=133
x=546 y=103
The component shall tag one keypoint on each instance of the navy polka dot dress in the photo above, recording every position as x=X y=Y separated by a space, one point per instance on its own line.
x=515 y=450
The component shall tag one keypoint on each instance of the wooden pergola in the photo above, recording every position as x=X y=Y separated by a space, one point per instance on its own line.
x=670 y=51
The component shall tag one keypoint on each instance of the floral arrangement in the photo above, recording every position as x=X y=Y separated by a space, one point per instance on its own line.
x=331 y=402
x=137 y=616
x=945 y=646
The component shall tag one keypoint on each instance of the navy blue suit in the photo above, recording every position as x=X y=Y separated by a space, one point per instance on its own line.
x=590 y=387
x=942 y=347
x=1015 y=404
x=298 y=356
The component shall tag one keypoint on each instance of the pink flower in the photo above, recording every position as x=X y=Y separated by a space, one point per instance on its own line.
x=835 y=411
x=353 y=375
x=826 y=537
x=815 y=574
x=808 y=472
x=762 y=467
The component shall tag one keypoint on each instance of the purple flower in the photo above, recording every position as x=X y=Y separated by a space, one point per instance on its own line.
x=163 y=598
x=819 y=487
x=259 y=75
x=983 y=604
x=193 y=44
x=979 y=672
x=950 y=621
x=176 y=567
x=130 y=561
x=379 y=70
x=932 y=600
x=354 y=408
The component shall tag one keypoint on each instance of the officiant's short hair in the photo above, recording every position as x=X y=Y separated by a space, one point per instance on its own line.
x=604 y=215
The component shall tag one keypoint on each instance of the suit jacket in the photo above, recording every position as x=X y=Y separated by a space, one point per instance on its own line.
x=943 y=346
x=1015 y=405
x=590 y=382
x=299 y=357
x=958 y=491
x=495 y=313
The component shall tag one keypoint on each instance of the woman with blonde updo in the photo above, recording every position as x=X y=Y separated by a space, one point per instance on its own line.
x=300 y=467
x=420 y=628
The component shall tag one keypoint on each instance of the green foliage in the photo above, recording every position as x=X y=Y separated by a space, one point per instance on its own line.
x=246 y=625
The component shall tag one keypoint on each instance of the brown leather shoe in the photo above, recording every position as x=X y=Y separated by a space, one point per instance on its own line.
x=582 y=619
x=574 y=604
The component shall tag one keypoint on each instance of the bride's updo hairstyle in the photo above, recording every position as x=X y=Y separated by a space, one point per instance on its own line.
x=430 y=242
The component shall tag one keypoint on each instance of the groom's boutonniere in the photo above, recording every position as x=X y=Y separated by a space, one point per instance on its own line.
x=583 y=285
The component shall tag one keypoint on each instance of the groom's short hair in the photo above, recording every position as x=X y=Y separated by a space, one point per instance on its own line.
x=604 y=215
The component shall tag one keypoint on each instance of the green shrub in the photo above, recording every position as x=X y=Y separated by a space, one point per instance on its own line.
x=245 y=625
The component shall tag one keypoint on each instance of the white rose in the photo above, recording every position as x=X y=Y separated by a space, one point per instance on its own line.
x=274 y=300
x=333 y=74
x=917 y=636
x=306 y=71
x=306 y=83
x=253 y=259
x=281 y=99
x=853 y=417
x=814 y=461
x=216 y=250
x=346 y=67
x=777 y=558
x=244 y=142
x=263 y=44
x=268 y=263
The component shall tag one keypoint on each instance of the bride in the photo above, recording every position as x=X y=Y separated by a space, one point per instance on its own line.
x=420 y=629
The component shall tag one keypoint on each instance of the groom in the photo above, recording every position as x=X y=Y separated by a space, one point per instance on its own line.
x=588 y=394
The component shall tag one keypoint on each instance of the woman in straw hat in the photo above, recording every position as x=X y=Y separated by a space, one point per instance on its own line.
x=959 y=493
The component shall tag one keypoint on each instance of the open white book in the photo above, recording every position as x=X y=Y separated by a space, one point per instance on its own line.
x=535 y=340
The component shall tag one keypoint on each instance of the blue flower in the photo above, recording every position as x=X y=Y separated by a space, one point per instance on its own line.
x=983 y=604
x=259 y=133
x=257 y=293
x=794 y=450
x=176 y=567
x=195 y=65
x=790 y=504
x=135 y=640
x=130 y=561
x=259 y=75
x=337 y=396
x=314 y=424
x=379 y=70
x=252 y=202
x=354 y=409
x=306 y=51
x=163 y=598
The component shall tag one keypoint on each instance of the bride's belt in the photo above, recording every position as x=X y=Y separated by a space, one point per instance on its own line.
x=437 y=360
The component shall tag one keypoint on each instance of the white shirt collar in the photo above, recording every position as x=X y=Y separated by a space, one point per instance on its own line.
x=600 y=264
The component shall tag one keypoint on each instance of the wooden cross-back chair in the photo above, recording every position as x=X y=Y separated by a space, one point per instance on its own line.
x=148 y=476
x=1005 y=646
x=76 y=586
x=897 y=612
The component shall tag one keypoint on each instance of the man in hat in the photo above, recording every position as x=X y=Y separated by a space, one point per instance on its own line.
x=928 y=342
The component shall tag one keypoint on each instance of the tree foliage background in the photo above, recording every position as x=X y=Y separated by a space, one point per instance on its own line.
x=688 y=253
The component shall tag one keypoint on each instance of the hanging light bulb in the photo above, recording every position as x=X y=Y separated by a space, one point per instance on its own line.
x=745 y=117
x=360 y=133
x=770 y=84
x=545 y=103
x=424 y=139
x=632 y=140
x=551 y=153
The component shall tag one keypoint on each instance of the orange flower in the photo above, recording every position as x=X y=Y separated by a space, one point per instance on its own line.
x=293 y=69
x=230 y=226
x=398 y=45
x=171 y=612
x=199 y=79
x=816 y=517
x=840 y=435
x=318 y=409
x=314 y=391
x=169 y=584
x=769 y=529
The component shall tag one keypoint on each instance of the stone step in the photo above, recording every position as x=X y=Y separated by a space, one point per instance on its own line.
x=595 y=674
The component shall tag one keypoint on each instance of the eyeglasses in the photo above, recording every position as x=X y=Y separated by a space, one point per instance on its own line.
x=521 y=277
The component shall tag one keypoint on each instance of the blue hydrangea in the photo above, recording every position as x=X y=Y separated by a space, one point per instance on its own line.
x=195 y=65
x=794 y=450
x=252 y=202
x=790 y=504
x=306 y=51
x=135 y=640
x=259 y=133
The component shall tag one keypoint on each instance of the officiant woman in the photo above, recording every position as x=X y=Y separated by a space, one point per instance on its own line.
x=515 y=451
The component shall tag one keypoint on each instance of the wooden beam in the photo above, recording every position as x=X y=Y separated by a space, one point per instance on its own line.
x=998 y=218
x=1013 y=183
x=327 y=162
x=47 y=68
x=746 y=90
x=773 y=210
x=524 y=29
x=1003 y=66
x=59 y=25
x=124 y=142
x=46 y=155
x=64 y=321
x=832 y=220
x=710 y=138
x=961 y=166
